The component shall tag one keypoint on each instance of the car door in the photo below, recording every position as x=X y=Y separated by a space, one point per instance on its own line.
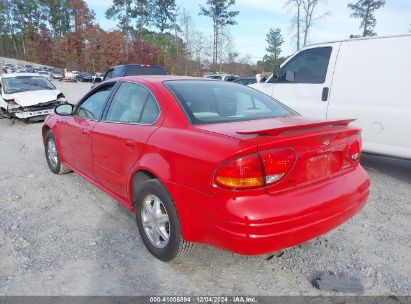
x=120 y=137
x=75 y=131
x=305 y=80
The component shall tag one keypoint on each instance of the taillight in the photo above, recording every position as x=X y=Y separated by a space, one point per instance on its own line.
x=241 y=173
x=277 y=164
x=255 y=170
x=354 y=147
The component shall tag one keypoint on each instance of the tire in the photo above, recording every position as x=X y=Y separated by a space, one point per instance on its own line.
x=164 y=250
x=53 y=159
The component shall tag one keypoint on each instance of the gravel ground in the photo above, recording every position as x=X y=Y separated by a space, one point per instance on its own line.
x=59 y=235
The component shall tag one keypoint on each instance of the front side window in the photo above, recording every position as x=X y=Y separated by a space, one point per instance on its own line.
x=214 y=101
x=133 y=103
x=309 y=66
x=93 y=106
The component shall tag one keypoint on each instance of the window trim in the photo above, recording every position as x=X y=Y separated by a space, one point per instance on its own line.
x=297 y=54
x=92 y=92
x=110 y=100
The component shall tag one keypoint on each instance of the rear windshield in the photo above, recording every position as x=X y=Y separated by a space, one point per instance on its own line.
x=144 y=70
x=213 y=101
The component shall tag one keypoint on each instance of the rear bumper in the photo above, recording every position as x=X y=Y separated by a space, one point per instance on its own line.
x=265 y=223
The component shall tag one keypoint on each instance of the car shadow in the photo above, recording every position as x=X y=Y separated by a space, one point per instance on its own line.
x=395 y=167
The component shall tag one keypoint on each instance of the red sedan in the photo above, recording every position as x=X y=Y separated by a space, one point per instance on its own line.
x=210 y=162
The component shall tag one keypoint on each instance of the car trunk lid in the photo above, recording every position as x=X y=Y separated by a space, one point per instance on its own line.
x=321 y=147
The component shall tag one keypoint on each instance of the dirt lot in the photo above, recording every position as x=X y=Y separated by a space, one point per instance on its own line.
x=59 y=235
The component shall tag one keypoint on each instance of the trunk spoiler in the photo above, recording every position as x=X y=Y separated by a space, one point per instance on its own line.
x=280 y=130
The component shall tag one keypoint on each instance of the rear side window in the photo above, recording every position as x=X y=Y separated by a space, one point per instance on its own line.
x=133 y=103
x=214 y=101
x=309 y=66
x=144 y=70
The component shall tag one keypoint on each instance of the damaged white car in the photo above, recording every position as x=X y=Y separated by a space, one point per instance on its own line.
x=28 y=96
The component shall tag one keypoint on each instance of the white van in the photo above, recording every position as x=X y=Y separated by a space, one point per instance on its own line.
x=368 y=79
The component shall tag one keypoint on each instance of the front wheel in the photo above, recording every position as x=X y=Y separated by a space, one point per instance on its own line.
x=52 y=155
x=158 y=222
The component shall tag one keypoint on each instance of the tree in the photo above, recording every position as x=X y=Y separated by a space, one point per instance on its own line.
x=124 y=12
x=309 y=10
x=79 y=37
x=143 y=13
x=303 y=20
x=3 y=24
x=296 y=21
x=59 y=14
x=186 y=23
x=218 y=11
x=226 y=52
x=200 y=47
x=274 y=40
x=364 y=10
x=164 y=14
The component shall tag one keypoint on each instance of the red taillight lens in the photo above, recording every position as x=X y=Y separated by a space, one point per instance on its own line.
x=354 y=147
x=241 y=173
x=247 y=172
x=277 y=164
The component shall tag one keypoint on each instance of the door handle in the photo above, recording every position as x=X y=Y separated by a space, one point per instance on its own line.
x=130 y=143
x=324 y=96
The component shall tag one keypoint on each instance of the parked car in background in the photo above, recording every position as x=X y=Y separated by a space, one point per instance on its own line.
x=45 y=74
x=8 y=68
x=133 y=69
x=84 y=77
x=28 y=96
x=246 y=81
x=224 y=77
x=210 y=162
x=56 y=74
x=97 y=78
x=68 y=76
x=352 y=78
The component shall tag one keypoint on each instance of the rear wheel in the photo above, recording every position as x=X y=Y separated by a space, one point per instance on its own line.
x=158 y=222
x=52 y=155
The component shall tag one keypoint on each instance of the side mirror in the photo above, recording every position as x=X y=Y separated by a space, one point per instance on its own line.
x=276 y=72
x=290 y=76
x=64 y=109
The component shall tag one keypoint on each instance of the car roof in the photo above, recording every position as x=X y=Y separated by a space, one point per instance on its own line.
x=159 y=78
x=356 y=39
x=135 y=64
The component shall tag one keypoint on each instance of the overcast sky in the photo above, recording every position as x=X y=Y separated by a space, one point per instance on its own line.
x=257 y=17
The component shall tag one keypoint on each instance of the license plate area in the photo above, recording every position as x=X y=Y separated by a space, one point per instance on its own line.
x=319 y=166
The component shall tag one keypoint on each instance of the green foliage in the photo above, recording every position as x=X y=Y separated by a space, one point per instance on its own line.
x=164 y=14
x=274 y=40
x=218 y=11
x=123 y=11
x=59 y=15
x=364 y=10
